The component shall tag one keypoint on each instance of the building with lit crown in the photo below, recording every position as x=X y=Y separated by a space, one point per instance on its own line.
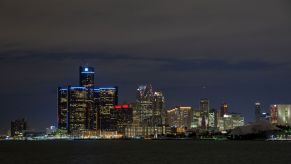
x=86 y=107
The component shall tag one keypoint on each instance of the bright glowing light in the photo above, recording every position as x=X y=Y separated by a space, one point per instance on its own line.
x=117 y=106
x=125 y=106
x=87 y=72
x=86 y=69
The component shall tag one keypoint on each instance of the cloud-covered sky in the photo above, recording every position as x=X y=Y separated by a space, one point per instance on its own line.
x=239 y=50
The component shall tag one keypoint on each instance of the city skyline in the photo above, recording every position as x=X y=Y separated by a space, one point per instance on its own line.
x=226 y=51
x=86 y=81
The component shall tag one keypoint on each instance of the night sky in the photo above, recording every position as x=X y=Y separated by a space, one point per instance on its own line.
x=227 y=50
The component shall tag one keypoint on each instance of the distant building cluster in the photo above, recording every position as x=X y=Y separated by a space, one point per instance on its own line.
x=88 y=109
x=91 y=111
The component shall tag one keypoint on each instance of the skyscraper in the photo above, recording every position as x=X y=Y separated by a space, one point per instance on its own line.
x=144 y=104
x=204 y=108
x=158 y=103
x=105 y=99
x=80 y=109
x=258 y=111
x=86 y=76
x=124 y=117
x=204 y=105
x=62 y=108
x=150 y=106
x=223 y=109
x=212 y=119
x=180 y=117
x=86 y=107
x=281 y=114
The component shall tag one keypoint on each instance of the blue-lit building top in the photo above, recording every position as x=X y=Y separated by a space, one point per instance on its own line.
x=86 y=107
x=86 y=76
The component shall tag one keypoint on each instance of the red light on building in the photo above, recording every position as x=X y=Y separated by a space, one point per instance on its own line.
x=125 y=106
x=117 y=106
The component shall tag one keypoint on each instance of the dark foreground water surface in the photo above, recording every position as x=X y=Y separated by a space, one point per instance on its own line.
x=145 y=151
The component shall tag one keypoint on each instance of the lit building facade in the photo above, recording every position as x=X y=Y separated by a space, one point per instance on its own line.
x=204 y=108
x=212 y=119
x=124 y=117
x=86 y=107
x=105 y=99
x=180 y=117
x=230 y=121
x=223 y=109
x=63 y=108
x=81 y=109
x=145 y=132
x=281 y=114
x=196 y=119
x=144 y=104
x=149 y=107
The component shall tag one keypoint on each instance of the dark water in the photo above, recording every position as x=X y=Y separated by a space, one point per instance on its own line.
x=147 y=151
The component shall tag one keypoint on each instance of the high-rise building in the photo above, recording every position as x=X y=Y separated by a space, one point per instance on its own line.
x=258 y=111
x=212 y=119
x=81 y=109
x=281 y=114
x=62 y=108
x=223 y=109
x=204 y=105
x=197 y=119
x=150 y=106
x=106 y=98
x=230 y=121
x=180 y=117
x=86 y=107
x=144 y=104
x=158 y=103
x=124 y=117
x=204 y=108
x=86 y=76
x=18 y=128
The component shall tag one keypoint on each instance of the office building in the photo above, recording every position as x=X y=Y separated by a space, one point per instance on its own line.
x=86 y=107
x=281 y=114
x=144 y=104
x=124 y=117
x=196 y=119
x=81 y=109
x=212 y=119
x=180 y=117
x=230 y=121
x=223 y=109
x=62 y=108
x=149 y=106
x=86 y=76
x=258 y=111
x=204 y=108
x=105 y=99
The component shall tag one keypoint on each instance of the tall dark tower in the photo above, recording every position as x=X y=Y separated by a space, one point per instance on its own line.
x=223 y=109
x=204 y=105
x=86 y=76
x=204 y=109
x=258 y=111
